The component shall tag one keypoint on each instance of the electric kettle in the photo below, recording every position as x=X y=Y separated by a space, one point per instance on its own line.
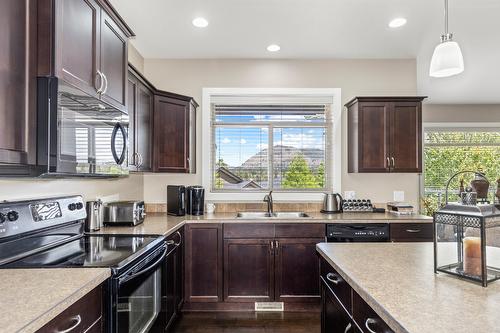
x=332 y=203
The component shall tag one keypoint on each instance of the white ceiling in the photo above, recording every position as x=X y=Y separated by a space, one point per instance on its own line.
x=328 y=29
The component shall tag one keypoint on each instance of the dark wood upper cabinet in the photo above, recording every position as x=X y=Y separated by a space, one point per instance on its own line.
x=17 y=86
x=384 y=134
x=78 y=44
x=174 y=134
x=140 y=103
x=248 y=270
x=297 y=255
x=113 y=60
x=203 y=263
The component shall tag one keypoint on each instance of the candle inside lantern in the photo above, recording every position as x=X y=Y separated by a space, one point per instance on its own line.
x=472 y=255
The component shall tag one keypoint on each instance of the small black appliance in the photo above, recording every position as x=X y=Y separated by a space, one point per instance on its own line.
x=195 y=200
x=176 y=200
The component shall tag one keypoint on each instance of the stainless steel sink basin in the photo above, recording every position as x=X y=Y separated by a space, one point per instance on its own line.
x=265 y=215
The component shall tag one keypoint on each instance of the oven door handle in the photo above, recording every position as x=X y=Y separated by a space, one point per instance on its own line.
x=148 y=269
x=118 y=127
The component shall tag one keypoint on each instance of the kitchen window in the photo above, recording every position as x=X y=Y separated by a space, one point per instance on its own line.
x=259 y=144
x=451 y=149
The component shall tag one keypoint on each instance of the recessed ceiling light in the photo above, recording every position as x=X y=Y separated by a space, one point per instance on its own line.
x=397 y=22
x=200 y=22
x=273 y=48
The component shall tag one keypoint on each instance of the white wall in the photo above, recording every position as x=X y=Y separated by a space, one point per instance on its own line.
x=354 y=77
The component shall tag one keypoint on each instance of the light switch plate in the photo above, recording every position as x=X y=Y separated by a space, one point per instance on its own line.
x=399 y=196
x=349 y=195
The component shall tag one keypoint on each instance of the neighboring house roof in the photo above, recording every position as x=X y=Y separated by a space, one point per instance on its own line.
x=229 y=176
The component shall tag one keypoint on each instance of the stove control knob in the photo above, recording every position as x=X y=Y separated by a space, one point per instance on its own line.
x=2 y=217
x=12 y=216
x=72 y=206
x=79 y=205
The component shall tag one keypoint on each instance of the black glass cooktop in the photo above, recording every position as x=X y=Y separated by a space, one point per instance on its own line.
x=90 y=251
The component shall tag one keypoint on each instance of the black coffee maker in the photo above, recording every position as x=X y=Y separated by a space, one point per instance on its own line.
x=195 y=200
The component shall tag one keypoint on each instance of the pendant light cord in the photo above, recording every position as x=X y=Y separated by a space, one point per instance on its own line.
x=446 y=17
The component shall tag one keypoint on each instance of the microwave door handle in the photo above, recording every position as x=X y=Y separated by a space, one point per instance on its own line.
x=127 y=278
x=119 y=160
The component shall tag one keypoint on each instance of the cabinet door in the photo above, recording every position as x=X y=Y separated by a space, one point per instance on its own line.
x=143 y=123
x=179 y=272
x=373 y=136
x=133 y=160
x=294 y=256
x=171 y=135
x=203 y=263
x=78 y=44
x=406 y=137
x=17 y=86
x=334 y=319
x=248 y=270
x=113 y=62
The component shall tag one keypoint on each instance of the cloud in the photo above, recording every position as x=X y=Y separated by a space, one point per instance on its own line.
x=226 y=141
x=261 y=146
x=243 y=141
x=301 y=140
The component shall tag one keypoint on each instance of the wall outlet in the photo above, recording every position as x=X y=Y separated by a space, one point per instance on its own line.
x=349 y=195
x=399 y=196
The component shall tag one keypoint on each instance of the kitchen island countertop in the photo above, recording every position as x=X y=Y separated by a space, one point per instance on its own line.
x=397 y=280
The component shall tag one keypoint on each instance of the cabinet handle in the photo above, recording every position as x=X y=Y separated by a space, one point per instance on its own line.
x=413 y=230
x=272 y=245
x=392 y=158
x=348 y=328
x=388 y=162
x=170 y=242
x=368 y=322
x=180 y=238
x=141 y=160
x=332 y=278
x=277 y=244
x=77 y=319
x=101 y=79
x=106 y=81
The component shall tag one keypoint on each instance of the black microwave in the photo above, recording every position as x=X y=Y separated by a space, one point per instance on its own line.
x=78 y=134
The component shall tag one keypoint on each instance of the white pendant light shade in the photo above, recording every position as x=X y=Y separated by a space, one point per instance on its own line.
x=447 y=60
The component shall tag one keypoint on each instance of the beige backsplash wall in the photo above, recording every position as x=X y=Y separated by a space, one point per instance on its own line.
x=354 y=77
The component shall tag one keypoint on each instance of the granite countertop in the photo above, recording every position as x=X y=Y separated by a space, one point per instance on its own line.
x=163 y=224
x=397 y=280
x=30 y=298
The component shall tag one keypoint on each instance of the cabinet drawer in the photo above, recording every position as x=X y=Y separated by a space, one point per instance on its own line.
x=82 y=315
x=249 y=230
x=366 y=318
x=412 y=232
x=296 y=230
x=337 y=284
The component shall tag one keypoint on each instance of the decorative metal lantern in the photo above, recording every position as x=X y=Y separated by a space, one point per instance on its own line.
x=467 y=240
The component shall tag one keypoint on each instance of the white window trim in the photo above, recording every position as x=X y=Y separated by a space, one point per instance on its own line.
x=336 y=108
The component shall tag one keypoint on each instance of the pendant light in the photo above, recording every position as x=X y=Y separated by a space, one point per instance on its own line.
x=447 y=59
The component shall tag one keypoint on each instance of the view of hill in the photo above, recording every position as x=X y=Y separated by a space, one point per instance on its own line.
x=283 y=156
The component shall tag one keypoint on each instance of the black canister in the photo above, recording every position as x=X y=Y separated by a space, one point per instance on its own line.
x=195 y=200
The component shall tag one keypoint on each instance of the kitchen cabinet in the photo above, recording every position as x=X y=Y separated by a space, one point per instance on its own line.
x=203 y=263
x=140 y=103
x=342 y=309
x=385 y=134
x=84 y=43
x=412 y=232
x=174 y=278
x=174 y=133
x=17 y=87
x=85 y=315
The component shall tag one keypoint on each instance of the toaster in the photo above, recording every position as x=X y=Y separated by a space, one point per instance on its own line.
x=124 y=213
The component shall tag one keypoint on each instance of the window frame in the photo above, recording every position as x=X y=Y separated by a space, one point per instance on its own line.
x=332 y=95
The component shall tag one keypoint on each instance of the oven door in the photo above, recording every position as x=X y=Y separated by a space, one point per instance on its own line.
x=91 y=135
x=137 y=303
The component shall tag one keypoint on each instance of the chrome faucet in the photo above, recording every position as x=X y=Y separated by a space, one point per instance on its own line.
x=269 y=199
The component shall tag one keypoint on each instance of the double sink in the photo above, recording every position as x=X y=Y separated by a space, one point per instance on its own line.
x=266 y=215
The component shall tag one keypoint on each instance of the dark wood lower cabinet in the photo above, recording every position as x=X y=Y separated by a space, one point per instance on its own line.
x=297 y=270
x=412 y=232
x=248 y=270
x=333 y=316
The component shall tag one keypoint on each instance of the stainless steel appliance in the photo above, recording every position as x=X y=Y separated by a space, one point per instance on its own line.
x=48 y=233
x=195 y=200
x=78 y=135
x=124 y=212
x=95 y=215
x=332 y=203
x=357 y=232
x=176 y=200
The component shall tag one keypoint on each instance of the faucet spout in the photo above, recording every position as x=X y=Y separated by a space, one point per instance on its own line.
x=269 y=199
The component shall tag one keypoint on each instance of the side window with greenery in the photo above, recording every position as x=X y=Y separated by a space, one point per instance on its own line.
x=447 y=151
